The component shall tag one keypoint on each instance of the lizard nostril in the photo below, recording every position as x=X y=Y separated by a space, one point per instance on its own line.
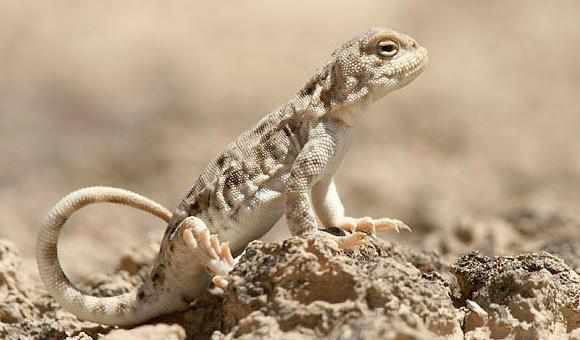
x=413 y=44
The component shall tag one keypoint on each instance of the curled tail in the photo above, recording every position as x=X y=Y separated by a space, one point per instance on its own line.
x=130 y=308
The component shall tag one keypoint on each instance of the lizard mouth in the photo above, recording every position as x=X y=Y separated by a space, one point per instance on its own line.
x=403 y=72
x=411 y=66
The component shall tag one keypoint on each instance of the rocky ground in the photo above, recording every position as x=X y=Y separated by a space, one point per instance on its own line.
x=310 y=289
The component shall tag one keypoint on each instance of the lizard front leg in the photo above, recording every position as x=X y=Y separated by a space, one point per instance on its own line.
x=315 y=160
x=330 y=211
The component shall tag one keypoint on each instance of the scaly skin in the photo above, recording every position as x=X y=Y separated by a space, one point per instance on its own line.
x=285 y=164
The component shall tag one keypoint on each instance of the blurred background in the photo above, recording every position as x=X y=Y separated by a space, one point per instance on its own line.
x=142 y=94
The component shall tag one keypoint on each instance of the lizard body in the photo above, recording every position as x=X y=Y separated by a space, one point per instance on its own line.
x=284 y=165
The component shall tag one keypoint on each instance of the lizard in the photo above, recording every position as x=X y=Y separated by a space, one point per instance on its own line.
x=284 y=165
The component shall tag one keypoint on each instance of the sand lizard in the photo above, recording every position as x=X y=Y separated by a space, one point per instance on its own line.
x=284 y=165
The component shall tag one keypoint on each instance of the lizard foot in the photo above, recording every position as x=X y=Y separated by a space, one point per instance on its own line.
x=215 y=256
x=368 y=224
x=350 y=241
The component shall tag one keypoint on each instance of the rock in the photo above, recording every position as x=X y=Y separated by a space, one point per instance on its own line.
x=10 y=268
x=530 y=296
x=25 y=314
x=148 y=332
x=15 y=307
x=569 y=251
x=533 y=222
x=136 y=258
x=517 y=231
x=489 y=235
x=308 y=288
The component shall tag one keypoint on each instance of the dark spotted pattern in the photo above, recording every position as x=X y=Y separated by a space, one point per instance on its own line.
x=221 y=161
x=252 y=170
x=308 y=90
x=100 y=308
x=229 y=179
x=260 y=129
x=158 y=275
x=199 y=204
x=121 y=309
x=78 y=299
x=234 y=177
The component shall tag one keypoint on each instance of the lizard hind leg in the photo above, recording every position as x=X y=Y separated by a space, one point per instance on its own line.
x=214 y=255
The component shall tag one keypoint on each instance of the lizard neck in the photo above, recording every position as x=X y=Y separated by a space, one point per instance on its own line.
x=314 y=106
x=327 y=94
x=348 y=116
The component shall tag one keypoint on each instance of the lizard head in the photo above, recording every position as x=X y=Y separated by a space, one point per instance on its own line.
x=365 y=69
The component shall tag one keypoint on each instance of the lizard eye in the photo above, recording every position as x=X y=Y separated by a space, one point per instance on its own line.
x=387 y=48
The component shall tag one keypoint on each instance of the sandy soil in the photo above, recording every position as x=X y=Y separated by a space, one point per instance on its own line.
x=480 y=153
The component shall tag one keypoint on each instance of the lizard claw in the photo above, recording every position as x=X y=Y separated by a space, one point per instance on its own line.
x=215 y=245
x=370 y=225
x=220 y=282
x=391 y=223
x=204 y=239
x=226 y=254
